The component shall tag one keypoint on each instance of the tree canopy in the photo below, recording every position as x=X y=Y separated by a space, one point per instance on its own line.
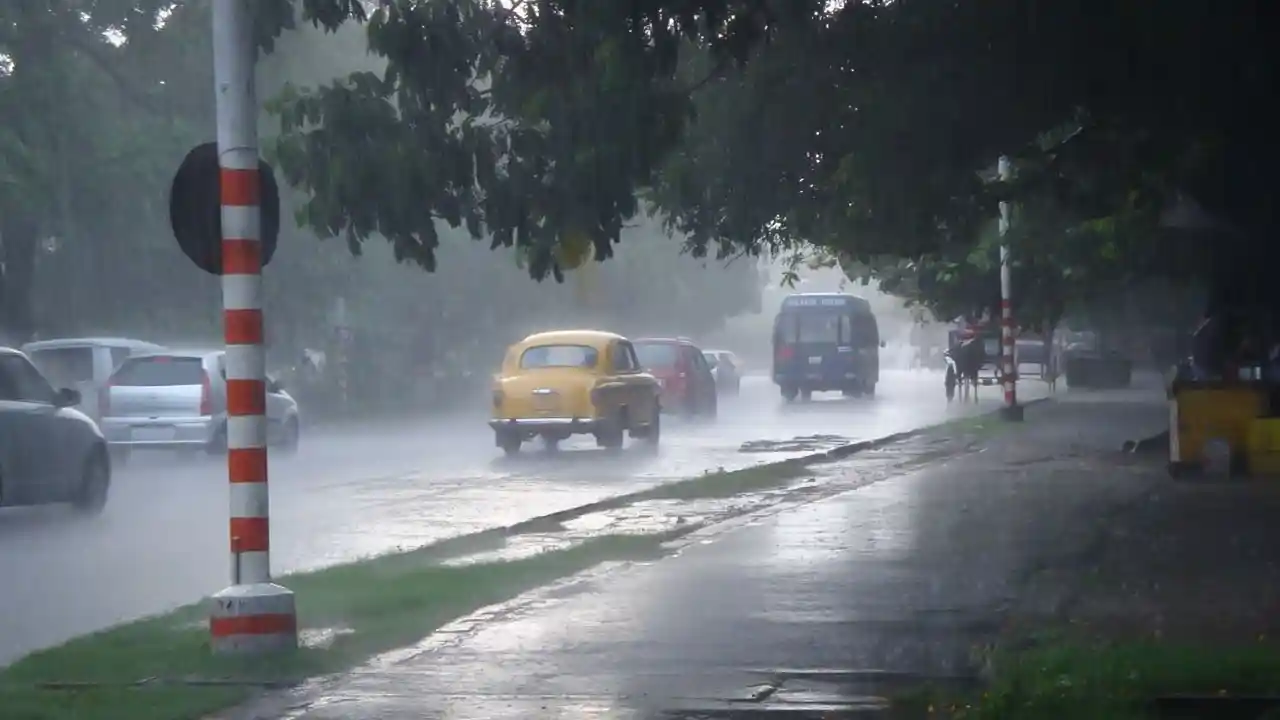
x=560 y=129
x=98 y=104
x=867 y=127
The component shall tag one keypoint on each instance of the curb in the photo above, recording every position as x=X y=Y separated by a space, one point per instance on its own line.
x=612 y=503
x=843 y=451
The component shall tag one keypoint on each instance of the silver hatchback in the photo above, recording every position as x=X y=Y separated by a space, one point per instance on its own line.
x=177 y=400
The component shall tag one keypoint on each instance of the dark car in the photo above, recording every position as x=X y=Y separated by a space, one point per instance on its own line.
x=49 y=451
x=727 y=369
x=688 y=385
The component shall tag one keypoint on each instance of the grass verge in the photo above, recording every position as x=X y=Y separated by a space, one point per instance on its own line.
x=724 y=484
x=977 y=426
x=160 y=668
x=1086 y=679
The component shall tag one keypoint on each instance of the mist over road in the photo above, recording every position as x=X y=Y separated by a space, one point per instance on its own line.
x=349 y=493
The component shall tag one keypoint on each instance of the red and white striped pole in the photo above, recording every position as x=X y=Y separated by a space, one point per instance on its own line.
x=253 y=614
x=1008 y=361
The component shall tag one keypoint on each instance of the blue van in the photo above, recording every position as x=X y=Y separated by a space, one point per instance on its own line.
x=826 y=341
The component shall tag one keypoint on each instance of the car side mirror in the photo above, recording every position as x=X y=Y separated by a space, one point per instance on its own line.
x=274 y=386
x=883 y=344
x=66 y=397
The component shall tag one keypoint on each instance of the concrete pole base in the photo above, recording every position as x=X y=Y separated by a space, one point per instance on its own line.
x=253 y=620
x=1012 y=413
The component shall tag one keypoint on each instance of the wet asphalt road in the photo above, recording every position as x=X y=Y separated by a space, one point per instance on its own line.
x=813 y=610
x=372 y=490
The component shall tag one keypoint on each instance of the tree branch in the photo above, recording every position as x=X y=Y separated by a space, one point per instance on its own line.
x=515 y=7
x=126 y=86
x=716 y=73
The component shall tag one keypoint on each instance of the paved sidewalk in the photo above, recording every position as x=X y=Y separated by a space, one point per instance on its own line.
x=1187 y=562
x=794 y=611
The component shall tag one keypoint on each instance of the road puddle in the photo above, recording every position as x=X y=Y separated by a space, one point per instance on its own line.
x=594 y=522
x=650 y=517
x=518 y=547
x=657 y=516
x=803 y=443
x=321 y=638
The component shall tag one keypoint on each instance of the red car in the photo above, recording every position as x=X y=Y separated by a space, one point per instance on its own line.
x=688 y=386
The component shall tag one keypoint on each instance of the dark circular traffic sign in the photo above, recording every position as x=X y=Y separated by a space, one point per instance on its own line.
x=195 y=209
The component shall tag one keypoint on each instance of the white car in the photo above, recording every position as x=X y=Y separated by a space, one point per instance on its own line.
x=177 y=400
x=84 y=364
x=727 y=370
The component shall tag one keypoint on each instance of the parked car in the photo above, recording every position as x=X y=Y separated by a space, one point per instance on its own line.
x=688 y=387
x=727 y=370
x=177 y=400
x=49 y=451
x=577 y=382
x=84 y=364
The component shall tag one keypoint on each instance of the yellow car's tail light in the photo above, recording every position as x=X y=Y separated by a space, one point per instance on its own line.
x=497 y=398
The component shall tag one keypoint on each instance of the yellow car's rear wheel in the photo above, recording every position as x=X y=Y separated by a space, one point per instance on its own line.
x=653 y=434
x=509 y=441
x=611 y=432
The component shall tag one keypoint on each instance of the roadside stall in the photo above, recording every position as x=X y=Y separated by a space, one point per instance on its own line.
x=1227 y=420
x=1227 y=417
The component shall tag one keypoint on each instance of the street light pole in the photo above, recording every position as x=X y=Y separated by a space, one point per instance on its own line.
x=253 y=615
x=1011 y=410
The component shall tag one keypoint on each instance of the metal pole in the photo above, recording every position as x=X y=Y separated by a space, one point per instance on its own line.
x=1011 y=410
x=253 y=615
x=341 y=364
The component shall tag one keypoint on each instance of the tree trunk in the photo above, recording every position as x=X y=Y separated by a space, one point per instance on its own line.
x=19 y=241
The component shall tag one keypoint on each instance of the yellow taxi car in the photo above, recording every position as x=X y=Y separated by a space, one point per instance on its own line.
x=574 y=382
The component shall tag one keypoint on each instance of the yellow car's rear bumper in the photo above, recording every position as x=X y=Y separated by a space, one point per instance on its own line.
x=570 y=424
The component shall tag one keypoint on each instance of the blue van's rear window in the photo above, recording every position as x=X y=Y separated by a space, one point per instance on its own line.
x=830 y=326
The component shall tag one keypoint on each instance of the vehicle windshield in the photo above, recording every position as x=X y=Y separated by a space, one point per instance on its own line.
x=1080 y=340
x=159 y=371
x=64 y=367
x=549 y=356
x=657 y=355
x=711 y=358
x=811 y=327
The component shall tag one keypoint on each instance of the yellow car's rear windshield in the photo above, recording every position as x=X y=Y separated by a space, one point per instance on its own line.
x=553 y=356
